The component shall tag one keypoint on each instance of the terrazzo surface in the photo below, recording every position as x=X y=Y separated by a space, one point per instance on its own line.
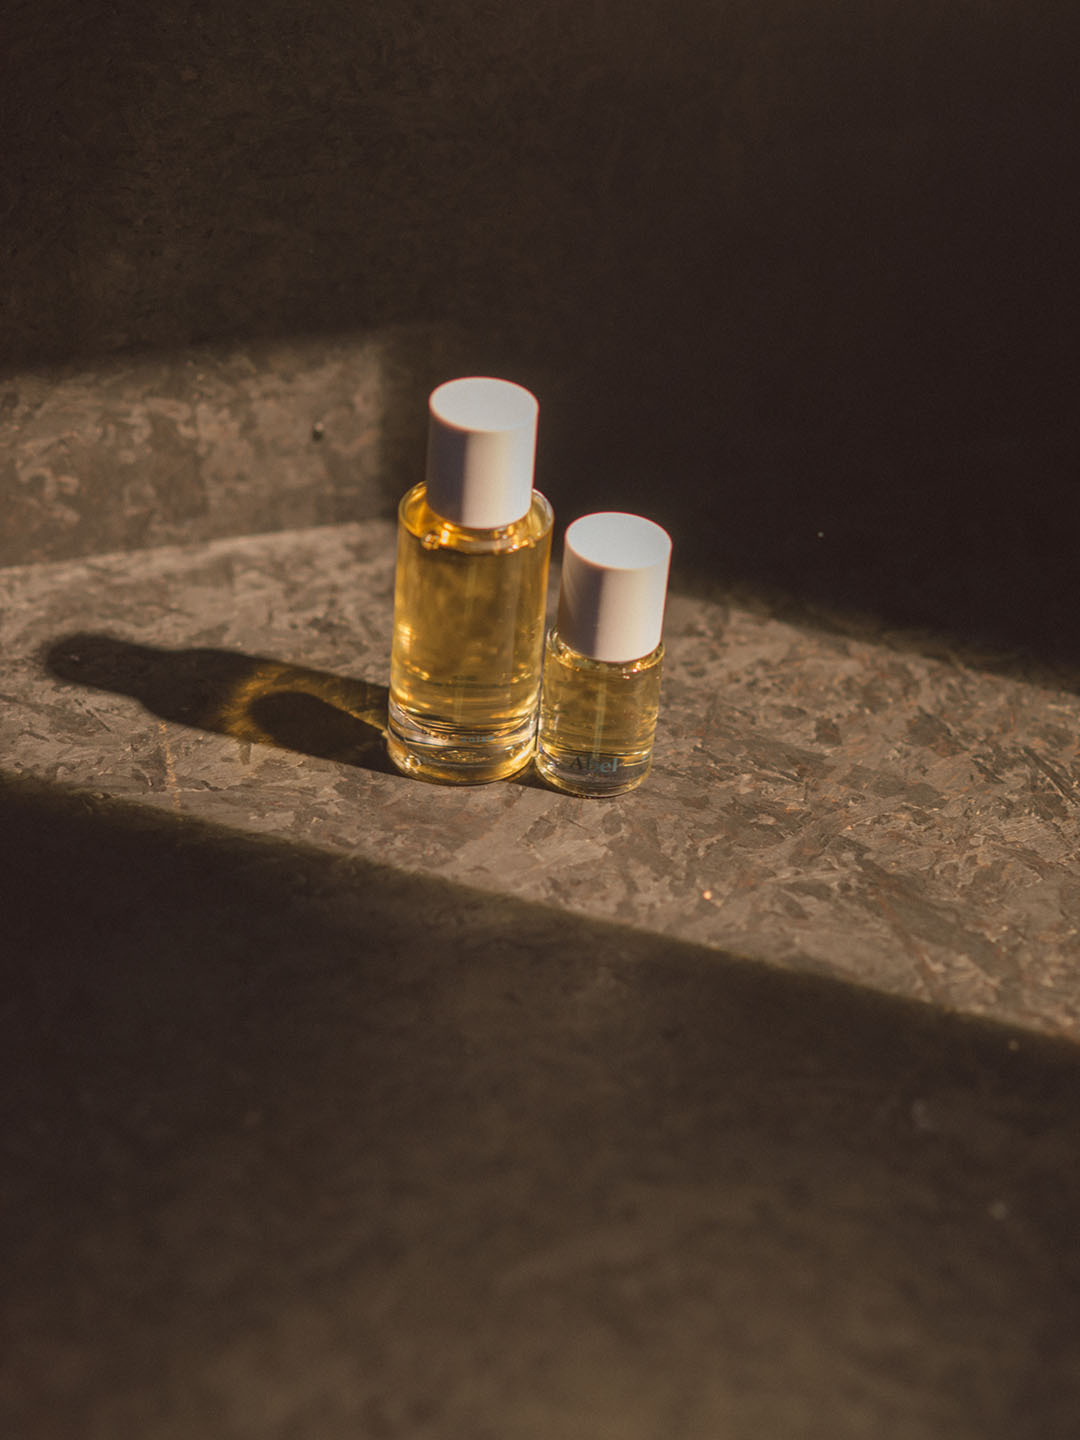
x=819 y=801
x=339 y=1105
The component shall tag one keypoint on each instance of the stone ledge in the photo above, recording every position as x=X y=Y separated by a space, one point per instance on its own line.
x=819 y=801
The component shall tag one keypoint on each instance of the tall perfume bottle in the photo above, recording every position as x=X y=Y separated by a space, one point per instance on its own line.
x=474 y=541
x=601 y=690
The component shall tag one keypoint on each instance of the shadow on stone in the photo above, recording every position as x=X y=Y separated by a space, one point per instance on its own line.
x=344 y=1143
x=250 y=697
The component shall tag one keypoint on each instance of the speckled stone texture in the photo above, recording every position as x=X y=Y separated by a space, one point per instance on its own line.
x=335 y=1105
x=338 y=1104
x=819 y=800
x=300 y=1145
x=212 y=441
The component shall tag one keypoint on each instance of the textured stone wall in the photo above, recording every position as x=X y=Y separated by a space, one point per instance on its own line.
x=797 y=277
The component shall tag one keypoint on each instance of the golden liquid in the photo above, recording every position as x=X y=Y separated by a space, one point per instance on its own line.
x=468 y=636
x=597 y=720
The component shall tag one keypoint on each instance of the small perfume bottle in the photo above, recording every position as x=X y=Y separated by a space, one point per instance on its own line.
x=601 y=690
x=474 y=541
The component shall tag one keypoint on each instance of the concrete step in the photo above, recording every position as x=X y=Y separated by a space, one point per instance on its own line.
x=820 y=801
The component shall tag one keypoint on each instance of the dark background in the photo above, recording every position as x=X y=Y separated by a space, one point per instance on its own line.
x=797 y=278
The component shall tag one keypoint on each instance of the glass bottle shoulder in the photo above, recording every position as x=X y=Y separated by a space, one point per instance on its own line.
x=574 y=659
x=434 y=532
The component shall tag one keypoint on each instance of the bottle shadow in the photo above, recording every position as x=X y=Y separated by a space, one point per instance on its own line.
x=252 y=698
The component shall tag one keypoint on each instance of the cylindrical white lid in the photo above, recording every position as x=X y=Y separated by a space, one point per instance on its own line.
x=481 y=452
x=614 y=585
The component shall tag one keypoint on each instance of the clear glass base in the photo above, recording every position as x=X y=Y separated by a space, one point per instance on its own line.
x=449 y=755
x=581 y=773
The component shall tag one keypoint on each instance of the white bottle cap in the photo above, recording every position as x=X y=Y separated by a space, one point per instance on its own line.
x=481 y=451
x=614 y=585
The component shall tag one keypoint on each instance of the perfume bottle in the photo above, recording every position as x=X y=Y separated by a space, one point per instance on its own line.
x=602 y=662
x=474 y=541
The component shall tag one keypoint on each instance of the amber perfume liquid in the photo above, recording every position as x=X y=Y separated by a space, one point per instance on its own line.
x=597 y=720
x=468 y=640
